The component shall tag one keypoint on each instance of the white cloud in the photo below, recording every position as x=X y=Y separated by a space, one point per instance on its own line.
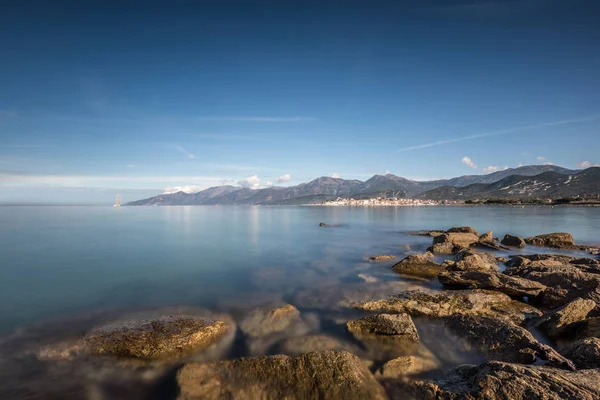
x=252 y=182
x=548 y=163
x=520 y=165
x=182 y=150
x=335 y=175
x=490 y=169
x=586 y=164
x=541 y=158
x=505 y=167
x=185 y=189
x=283 y=178
x=467 y=161
x=387 y=171
x=268 y=184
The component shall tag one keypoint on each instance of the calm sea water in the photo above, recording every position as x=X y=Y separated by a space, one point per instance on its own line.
x=57 y=261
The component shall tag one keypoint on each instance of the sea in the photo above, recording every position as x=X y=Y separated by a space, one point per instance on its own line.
x=62 y=263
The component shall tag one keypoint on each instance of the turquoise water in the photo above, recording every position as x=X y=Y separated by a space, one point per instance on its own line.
x=57 y=261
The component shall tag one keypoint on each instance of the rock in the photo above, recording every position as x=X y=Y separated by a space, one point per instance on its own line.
x=419 y=264
x=382 y=257
x=468 y=260
x=408 y=365
x=503 y=341
x=432 y=233
x=490 y=246
x=584 y=353
x=560 y=240
x=501 y=260
x=590 y=328
x=323 y=224
x=487 y=237
x=513 y=241
x=514 y=287
x=265 y=321
x=157 y=338
x=442 y=304
x=388 y=327
x=566 y=319
x=452 y=242
x=555 y=260
x=310 y=343
x=463 y=229
x=322 y=375
x=565 y=282
x=498 y=380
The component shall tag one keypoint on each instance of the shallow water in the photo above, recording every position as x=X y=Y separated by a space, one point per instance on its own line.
x=87 y=263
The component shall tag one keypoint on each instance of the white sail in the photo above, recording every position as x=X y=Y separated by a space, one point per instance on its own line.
x=117 y=201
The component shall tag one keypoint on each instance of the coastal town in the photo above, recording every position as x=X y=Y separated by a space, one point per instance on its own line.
x=381 y=201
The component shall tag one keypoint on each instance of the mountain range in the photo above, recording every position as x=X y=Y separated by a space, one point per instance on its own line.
x=543 y=181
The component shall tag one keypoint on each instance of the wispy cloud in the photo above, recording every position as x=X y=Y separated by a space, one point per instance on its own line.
x=283 y=178
x=467 y=161
x=499 y=132
x=586 y=164
x=490 y=169
x=130 y=166
x=540 y=158
x=335 y=175
x=185 y=189
x=183 y=151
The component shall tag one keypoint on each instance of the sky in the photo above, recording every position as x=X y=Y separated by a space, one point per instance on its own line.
x=145 y=97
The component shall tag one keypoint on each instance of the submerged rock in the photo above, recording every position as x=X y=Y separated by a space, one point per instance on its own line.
x=419 y=264
x=442 y=304
x=388 y=326
x=567 y=319
x=559 y=240
x=408 y=365
x=264 y=321
x=499 y=380
x=323 y=375
x=503 y=341
x=514 y=287
x=584 y=353
x=382 y=257
x=156 y=338
x=309 y=343
x=513 y=241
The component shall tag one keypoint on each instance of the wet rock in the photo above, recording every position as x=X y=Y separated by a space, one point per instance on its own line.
x=156 y=338
x=264 y=321
x=386 y=327
x=432 y=233
x=452 y=242
x=323 y=224
x=323 y=375
x=419 y=264
x=408 y=365
x=503 y=341
x=565 y=282
x=442 y=304
x=499 y=380
x=469 y=260
x=567 y=319
x=487 y=237
x=514 y=287
x=513 y=241
x=382 y=257
x=490 y=246
x=555 y=260
x=559 y=240
x=463 y=229
x=584 y=353
x=310 y=343
x=501 y=259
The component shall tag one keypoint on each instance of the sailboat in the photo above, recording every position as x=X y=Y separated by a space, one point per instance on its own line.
x=117 y=201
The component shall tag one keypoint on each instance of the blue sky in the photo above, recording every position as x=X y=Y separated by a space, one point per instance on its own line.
x=140 y=96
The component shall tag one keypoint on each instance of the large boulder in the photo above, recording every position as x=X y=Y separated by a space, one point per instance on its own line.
x=554 y=260
x=513 y=241
x=565 y=282
x=469 y=260
x=584 y=353
x=463 y=229
x=499 y=380
x=419 y=264
x=453 y=242
x=442 y=304
x=487 y=237
x=512 y=286
x=559 y=240
x=408 y=365
x=503 y=341
x=156 y=338
x=567 y=319
x=323 y=375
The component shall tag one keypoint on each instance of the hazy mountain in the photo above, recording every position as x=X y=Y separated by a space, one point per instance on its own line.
x=545 y=185
x=326 y=188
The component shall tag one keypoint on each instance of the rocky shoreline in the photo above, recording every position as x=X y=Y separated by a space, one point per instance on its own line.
x=531 y=323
